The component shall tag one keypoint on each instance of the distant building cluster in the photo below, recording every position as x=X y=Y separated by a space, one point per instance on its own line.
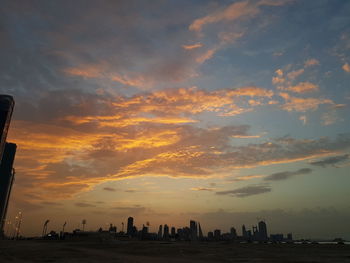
x=7 y=157
x=192 y=233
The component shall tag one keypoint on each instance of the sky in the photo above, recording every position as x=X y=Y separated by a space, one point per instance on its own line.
x=224 y=112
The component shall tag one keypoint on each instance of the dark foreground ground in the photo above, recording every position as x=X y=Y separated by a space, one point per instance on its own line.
x=138 y=251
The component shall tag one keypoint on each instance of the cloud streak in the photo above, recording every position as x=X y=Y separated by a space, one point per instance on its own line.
x=246 y=191
x=331 y=161
x=286 y=175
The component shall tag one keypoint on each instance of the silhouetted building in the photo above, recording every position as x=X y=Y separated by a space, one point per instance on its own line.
x=217 y=234
x=7 y=176
x=277 y=238
x=173 y=232
x=244 y=232
x=112 y=229
x=160 y=232
x=130 y=227
x=200 y=233
x=194 y=230
x=6 y=108
x=289 y=237
x=210 y=236
x=262 y=231
x=166 y=232
x=233 y=233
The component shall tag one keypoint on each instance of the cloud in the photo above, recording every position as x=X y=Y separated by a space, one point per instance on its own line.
x=110 y=189
x=81 y=204
x=236 y=11
x=247 y=191
x=294 y=74
x=303 y=118
x=193 y=46
x=246 y=177
x=303 y=87
x=311 y=62
x=286 y=175
x=331 y=161
x=302 y=104
x=346 y=67
x=202 y=189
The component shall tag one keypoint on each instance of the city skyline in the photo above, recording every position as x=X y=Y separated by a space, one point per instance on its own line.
x=217 y=111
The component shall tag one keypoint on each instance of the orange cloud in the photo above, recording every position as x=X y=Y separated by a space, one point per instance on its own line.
x=311 y=62
x=303 y=87
x=302 y=104
x=294 y=74
x=346 y=67
x=235 y=11
x=193 y=46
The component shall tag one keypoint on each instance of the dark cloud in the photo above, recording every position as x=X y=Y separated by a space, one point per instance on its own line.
x=285 y=175
x=247 y=191
x=51 y=203
x=331 y=161
x=81 y=204
x=109 y=189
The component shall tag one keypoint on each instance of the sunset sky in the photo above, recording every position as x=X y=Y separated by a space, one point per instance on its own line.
x=225 y=112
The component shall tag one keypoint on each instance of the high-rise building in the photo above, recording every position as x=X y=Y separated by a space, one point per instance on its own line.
x=244 y=232
x=7 y=175
x=194 y=230
x=166 y=232
x=130 y=227
x=233 y=233
x=173 y=232
x=262 y=230
x=160 y=232
x=200 y=233
x=6 y=108
x=217 y=234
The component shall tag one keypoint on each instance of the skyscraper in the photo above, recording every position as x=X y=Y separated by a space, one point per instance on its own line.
x=6 y=108
x=200 y=233
x=130 y=226
x=262 y=230
x=160 y=232
x=7 y=156
x=6 y=180
x=166 y=232
x=194 y=230
x=244 y=232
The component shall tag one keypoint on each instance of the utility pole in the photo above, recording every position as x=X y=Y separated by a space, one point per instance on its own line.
x=19 y=224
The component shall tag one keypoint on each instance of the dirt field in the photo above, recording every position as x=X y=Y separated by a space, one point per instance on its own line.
x=138 y=251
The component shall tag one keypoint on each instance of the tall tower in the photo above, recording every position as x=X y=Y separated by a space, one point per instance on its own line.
x=244 y=232
x=6 y=108
x=262 y=230
x=160 y=232
x=130 y=226
x=7 y=156
x=166 y=232
x=200 y=233
x=194 y=230
x=6 y=180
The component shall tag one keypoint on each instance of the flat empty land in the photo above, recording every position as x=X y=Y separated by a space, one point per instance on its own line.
x=145 y=251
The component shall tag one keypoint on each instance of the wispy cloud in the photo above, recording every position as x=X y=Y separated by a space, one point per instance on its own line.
x=287 y=174
x=331 y=161
x=246 y=191
x=233 y=12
